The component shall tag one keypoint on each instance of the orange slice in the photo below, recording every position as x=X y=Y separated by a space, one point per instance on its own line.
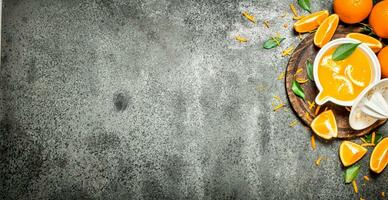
x=324 y=125
x=371 y=42
x=311 y=21
x=326 y=30
x=379 y=157
x=351 y=152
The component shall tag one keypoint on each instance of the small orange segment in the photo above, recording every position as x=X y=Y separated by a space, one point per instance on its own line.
x=371 y=42
x=379 y=157
x=311 y=21
x=326 y=30
x=324 y=125
x=383 y=58
x=351 y=152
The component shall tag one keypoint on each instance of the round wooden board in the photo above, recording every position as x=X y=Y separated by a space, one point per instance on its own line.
x=307 y=50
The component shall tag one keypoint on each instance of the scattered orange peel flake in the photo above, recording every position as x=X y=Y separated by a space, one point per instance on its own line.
x=288 y=51
x=313 y=145
x=368 y=145
x=281 y=76
x=366 y=178
x=293 y=123
x=354 y=183
x=311 y=104
x=241 y=39
x=318 y=161
x=383 y=194
x=307 y=115
x=278 y=107
x=249 y=17
x=373 y=138
x=298 y=71
x=266 y=23
x=301 y=81
x=317 y=109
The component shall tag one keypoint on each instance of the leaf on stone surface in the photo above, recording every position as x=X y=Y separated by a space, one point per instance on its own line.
x=344 y=50
x=310 y=68
x=351 y=173
x=305 y=4
x=297 y=89
x=272 y=42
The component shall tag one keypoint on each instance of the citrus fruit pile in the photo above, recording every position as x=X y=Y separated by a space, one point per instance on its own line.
x=325 y=25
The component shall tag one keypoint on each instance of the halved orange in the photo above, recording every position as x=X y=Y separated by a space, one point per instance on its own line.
x=351 y=152
x=324 y=125
x=326 y=30
x=311 y=21
x=371 y=42
x=379 y=157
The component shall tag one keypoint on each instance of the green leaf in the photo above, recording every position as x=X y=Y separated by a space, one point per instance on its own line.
x=344 y=50
x=272 y=42
x=378 y=137
x=297 y=89
x=310 y=70
x=351 y=173
x=305 y=4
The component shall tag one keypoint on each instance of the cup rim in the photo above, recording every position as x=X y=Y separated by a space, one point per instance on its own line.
x=373 y=58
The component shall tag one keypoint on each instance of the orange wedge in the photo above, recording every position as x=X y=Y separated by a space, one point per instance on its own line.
x=379 y=157
x=371 y=42
x=351 y=152
x=324 y=125
x=311 y=21
x=326 y=30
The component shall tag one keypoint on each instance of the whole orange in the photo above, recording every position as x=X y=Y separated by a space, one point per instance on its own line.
x=352 y=11
x=378 y=19
x=383 y=58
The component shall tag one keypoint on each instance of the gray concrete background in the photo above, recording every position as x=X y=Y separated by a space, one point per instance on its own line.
x=115 y=99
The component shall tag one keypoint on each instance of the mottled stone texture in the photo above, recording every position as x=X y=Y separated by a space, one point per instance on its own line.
x=126 y=99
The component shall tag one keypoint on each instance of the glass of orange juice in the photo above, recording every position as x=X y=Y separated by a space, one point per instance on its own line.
x=342 y=81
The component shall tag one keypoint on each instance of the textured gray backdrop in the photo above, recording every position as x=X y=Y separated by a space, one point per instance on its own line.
x=116 y=99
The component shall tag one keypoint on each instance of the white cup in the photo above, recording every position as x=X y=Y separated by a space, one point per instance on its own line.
x=376 y=71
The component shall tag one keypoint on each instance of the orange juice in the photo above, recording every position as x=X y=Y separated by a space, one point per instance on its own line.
x=344 y=80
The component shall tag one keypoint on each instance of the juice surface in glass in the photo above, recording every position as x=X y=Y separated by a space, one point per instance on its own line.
x=344 y=80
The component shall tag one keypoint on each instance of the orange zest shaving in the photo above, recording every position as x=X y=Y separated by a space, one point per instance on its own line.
x=277 y=97
x=368 y=145
x=293 y=10
x=281 y=75
x=249 y=17
x=307 y=115
x=317 y=109
x=301 y=81
x=366 y=178
x=311 y=104
x=241 y=39
x=266 y=23
x=318 y=161
x=298 y=71
x=373 y=137
x=288 y=51
x=278 y=107
x=313 y=145
x=293 y=123
x=354 y=183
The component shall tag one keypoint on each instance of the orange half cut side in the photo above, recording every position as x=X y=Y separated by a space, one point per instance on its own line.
x=351 y=152
x=371 y=42
x=379 y=157
x=326 y=30
x=324 y=125
x=311 y=21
